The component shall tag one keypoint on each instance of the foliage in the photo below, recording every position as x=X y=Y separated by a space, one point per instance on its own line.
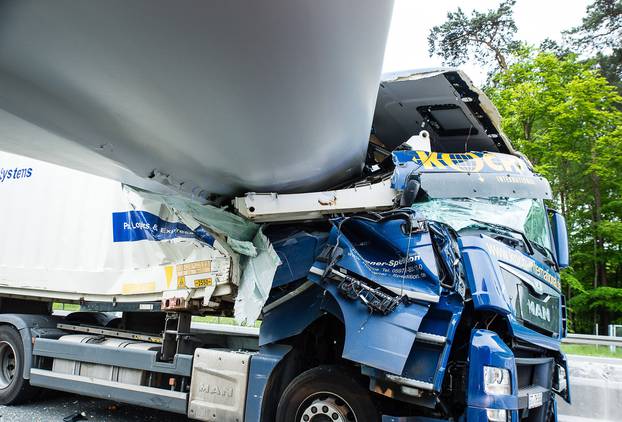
x=599 y=299
x=484 y=36
x=596 y=302
x=562 y=108
x=563 y=115
x=602 y=27
x=600 y=33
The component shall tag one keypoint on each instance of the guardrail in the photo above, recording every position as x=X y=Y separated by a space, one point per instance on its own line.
x=593 y=339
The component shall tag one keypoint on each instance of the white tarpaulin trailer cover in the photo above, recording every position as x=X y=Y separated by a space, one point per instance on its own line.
x=71 y=236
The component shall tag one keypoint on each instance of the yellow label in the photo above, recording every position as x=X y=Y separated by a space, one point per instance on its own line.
x=203 y=282
x=181 y=282
x=191 y=268
x=168 y=273
x=470 y=162
x=135 y=288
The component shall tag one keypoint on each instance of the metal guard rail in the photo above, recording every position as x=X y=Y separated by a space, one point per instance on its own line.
x=592 y=339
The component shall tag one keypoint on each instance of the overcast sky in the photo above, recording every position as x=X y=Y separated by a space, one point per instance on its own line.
x=407 y=46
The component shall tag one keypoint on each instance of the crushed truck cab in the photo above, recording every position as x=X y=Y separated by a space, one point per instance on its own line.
x=425 y=288
x=451 y=304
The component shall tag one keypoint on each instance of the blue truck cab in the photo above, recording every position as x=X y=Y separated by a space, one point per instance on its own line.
x=447 y=306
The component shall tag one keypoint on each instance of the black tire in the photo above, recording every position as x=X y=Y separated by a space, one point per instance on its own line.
x=335 y=393
x=14 y=389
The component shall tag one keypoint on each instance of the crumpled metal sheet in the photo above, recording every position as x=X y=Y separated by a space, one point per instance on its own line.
x=255 y=260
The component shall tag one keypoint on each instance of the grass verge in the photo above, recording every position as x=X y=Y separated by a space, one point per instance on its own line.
x=591 y=350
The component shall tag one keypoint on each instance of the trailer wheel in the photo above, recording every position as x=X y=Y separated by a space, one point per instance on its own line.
x=14 y=388
x=326 y=394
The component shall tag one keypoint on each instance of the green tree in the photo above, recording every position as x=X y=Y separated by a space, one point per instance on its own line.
x=600 y=34
x=486 y=36
x=601 y=27
x=566 y=117
x=563 y=115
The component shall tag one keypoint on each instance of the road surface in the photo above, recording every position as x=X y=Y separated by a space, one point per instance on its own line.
x=596 y=390
x=53 y=407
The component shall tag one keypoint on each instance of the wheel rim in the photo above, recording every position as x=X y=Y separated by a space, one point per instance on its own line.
x=7 y=364
x=325 y=407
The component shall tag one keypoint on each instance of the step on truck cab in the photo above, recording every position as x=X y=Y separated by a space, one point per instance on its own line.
x=426 y=289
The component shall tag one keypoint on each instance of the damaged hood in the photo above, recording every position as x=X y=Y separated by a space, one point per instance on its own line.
x=194 y=96
x=444 y=102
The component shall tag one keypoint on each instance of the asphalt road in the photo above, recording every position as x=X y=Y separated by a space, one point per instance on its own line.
x=53 y=407
x=597 y=400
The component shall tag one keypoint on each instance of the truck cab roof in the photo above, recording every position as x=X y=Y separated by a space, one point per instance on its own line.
x=444 y=102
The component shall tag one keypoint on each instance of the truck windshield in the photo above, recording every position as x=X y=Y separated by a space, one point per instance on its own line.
x=525 y=215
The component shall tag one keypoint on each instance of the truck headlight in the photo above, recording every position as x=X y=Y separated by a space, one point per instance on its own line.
x=562 y=384
x=497 y=381
x=497 y=415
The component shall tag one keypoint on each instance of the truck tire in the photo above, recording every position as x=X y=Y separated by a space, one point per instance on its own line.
x=14 y=388
x=326 y=393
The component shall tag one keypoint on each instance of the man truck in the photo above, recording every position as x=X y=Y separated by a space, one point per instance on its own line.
x=427 y=290
x=402 y=257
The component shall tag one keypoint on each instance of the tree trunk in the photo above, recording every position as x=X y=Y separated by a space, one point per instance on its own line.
x=503 y=64
x=600 y=270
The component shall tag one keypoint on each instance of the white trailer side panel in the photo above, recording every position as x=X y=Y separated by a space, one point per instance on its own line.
x=68 y=235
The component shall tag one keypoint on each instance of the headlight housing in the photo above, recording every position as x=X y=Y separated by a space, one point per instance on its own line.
x=560 y=384
x=497 y=415
x=497 y=381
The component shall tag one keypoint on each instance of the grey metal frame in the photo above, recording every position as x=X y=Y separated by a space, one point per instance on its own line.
x=126 y=358
x=156 y=398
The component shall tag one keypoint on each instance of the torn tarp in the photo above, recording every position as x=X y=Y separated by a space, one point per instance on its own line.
x=254 y=259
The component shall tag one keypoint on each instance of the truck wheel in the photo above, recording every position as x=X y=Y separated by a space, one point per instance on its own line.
x=13 y=387
x=326 y=394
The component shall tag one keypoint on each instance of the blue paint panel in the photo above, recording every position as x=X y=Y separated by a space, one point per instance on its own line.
x=422 y=364
x=512 y=257
x=131 y=226
x=297 y=250
x=409 y=161
x=526 y=334
x=378 y=251
x=428 y=362
x=375 y=251
x=487 y=349
x=293 y=316
x=485 y=280
x=261 y=367
x=380 y=341
x=451 y=305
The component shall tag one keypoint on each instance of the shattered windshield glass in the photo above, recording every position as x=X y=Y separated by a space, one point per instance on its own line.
x=527 y=216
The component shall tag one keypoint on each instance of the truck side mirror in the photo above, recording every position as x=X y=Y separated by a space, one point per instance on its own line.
x=411 y=191
x=560 y=238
